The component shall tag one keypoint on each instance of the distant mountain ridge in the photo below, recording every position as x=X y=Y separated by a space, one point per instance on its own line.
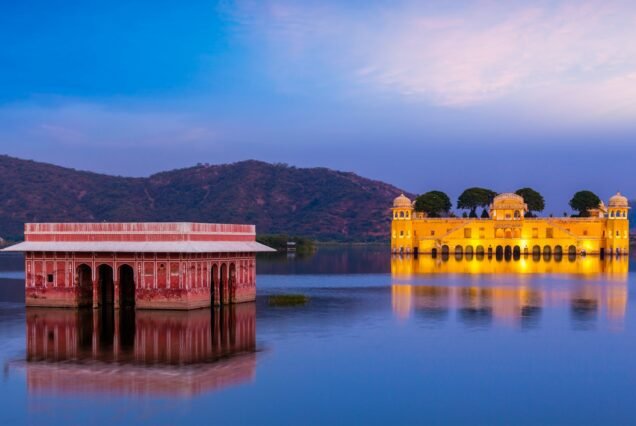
x=314 y=202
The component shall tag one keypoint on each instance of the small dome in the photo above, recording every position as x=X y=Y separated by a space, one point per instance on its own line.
x=618 y=200
x=508 y=200
x=402 y=201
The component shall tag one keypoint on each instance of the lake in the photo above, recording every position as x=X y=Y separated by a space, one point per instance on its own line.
x=381 y=340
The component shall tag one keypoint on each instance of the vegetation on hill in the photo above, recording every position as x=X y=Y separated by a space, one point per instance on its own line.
x=279 y=242
x=319 y=203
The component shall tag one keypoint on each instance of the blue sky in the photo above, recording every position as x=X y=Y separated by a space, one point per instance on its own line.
x=423 y=95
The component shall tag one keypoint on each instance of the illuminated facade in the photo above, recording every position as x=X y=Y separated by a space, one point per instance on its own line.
x=507 y=232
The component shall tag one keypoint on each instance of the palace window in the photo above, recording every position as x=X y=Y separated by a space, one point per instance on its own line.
x=468 y=232
x=585 y=232
x=482 y=233
x=401 y=234
x=401 y=214
x=432 y=233
x=535 y=232
x=618 y=234
x=549 y=233
x=49 y=278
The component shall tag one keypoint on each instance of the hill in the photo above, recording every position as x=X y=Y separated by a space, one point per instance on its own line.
x=315 y=202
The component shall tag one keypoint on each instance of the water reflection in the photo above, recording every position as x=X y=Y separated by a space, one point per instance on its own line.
x=481 y=305
x=139 y=352
x=615 y=268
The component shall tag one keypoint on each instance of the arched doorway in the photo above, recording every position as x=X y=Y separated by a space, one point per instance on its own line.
x=459 y=250
x=126 y=286
x=558 y=251
x=536 y=250
x=85 y=285
x=214 y=286
x=572 y=250
x=445 y=250
x=223 y=299
x=434 y=253
x=508 y=251
x=516 y=252
x=547 y=253
x=106 y=286
x=499 y=251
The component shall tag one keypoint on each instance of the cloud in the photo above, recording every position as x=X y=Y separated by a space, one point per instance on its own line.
x=460 y=55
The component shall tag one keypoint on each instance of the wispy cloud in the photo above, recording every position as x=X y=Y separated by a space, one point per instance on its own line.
x=464 y=54
x=81 y=124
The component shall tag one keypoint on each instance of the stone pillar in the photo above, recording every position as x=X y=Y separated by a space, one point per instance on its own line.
x=96 y=293
x=116 y=301
x=231 y=284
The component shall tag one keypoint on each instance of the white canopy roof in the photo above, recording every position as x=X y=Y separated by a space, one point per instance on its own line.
x=142 y=246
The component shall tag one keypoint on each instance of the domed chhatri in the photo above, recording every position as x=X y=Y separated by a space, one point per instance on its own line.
x=508 y=206
x=619 y=200
x=402 y=201
x=508 y=198
x=508 y=231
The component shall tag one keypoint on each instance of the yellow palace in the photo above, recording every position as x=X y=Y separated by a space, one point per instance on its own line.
x=508 y=232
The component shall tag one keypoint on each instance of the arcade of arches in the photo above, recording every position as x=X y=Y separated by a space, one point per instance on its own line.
x=152 y=281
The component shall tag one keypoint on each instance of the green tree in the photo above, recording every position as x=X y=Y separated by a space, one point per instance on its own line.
x=534 y=200
x=583 y=201
x=472 y=198
x=433 y=203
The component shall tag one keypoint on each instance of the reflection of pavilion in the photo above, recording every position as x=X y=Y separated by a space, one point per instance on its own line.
x=510 y=303
x=613 y=268
x=140 y=352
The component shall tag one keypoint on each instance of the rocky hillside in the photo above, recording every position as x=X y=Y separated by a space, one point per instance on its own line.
x=318 y=202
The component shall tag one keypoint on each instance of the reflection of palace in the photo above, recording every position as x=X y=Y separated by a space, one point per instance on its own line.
x=477 y=304
x=615 y=269
x=508 y=232
x=140 y=352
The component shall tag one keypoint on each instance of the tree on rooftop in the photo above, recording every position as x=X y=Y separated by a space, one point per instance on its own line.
x=583 y=201
x=534 y=200
x=472 y=198
x=433 y=203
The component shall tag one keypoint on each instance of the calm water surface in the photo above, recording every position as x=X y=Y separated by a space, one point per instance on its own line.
x=381 y=341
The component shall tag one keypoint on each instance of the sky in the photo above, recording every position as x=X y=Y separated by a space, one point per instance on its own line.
x=420 y=94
